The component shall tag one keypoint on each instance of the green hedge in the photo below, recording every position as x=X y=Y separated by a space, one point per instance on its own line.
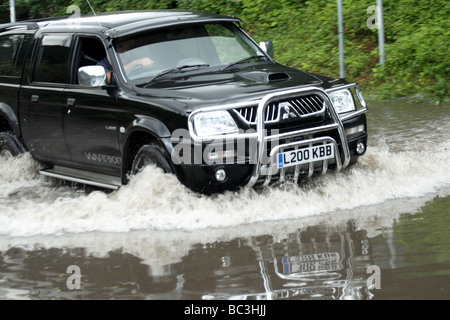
x=305 y=36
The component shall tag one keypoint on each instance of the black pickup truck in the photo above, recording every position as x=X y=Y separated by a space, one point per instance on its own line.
x=97 y=98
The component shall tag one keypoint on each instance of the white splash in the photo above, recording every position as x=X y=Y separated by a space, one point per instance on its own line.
x=30 y=205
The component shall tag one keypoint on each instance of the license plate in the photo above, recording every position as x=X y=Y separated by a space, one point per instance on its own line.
x=305 y=155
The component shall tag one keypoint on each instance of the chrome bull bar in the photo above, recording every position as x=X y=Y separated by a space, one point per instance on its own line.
x=273 y=169
x=262 y=139
x=265 y=171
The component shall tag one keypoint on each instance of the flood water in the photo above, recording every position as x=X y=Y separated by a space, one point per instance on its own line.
x=377 y=231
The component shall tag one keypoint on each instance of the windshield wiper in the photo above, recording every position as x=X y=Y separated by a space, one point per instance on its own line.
x=243 y=60
x=172 y=70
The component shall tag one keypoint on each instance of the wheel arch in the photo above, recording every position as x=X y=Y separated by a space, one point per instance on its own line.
x=10 y=123
x=8 y=120
x=143 y=130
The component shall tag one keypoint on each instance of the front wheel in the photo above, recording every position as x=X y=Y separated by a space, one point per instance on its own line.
x=9 y=146
x=150 y=154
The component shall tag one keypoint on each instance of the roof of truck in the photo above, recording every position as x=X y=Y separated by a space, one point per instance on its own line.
x=116 y=24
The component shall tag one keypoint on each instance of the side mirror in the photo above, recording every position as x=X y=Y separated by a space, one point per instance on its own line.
x=267 y=46
x=92 y=76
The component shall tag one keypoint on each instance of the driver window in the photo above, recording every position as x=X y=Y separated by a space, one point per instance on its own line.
x=90 y=52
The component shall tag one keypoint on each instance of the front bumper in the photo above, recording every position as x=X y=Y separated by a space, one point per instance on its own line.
x=258 y=164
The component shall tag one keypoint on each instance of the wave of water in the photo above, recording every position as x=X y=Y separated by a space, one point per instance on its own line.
x=30 y=205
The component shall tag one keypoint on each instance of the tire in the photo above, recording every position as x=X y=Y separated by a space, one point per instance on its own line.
x=9 y=147
x=150 y=154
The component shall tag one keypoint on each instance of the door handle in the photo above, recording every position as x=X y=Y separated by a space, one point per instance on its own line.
x=35 y=98
x=70 y=102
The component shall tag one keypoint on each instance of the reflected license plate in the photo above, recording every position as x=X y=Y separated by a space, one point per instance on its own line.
x=305 y=155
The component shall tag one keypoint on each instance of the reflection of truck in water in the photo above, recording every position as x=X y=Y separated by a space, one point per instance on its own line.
x=310 y=264
x=331 y=275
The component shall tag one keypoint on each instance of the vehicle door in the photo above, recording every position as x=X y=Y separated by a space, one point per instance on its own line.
x=90 y=120
x=44 y=98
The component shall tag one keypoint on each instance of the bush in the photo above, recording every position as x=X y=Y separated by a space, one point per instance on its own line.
x=305 y=36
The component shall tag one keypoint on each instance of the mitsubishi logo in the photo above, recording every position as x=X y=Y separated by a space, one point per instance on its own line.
x=287 y=111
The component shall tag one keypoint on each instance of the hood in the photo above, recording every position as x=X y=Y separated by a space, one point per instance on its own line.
x=202 y=88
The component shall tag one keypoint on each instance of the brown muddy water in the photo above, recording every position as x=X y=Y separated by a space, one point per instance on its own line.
x=377 y=231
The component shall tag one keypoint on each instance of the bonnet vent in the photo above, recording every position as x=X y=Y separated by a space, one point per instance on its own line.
x=274 y=77
x=265 y=77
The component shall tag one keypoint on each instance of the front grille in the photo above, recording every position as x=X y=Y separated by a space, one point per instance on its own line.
x=285 y=109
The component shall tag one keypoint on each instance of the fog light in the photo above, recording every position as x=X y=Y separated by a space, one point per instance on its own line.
x=219 y=156
x=355 y=130
x=360 y=147
x=221 y=175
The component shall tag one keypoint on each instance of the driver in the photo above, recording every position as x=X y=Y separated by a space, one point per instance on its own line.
x=105 y=64
x=123 y=47
x=129 y=63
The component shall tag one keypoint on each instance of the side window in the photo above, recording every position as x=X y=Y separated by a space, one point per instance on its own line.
x=53 y=59
x=9 y=51
x=90 y=51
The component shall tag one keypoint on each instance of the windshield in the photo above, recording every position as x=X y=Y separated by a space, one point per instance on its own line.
x=200 y=46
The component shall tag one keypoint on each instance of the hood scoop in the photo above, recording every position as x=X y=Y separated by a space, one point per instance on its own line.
x=265 y=77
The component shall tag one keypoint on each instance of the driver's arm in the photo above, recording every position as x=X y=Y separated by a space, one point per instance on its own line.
x=144 y=62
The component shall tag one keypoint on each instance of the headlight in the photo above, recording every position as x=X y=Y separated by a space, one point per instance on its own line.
x=342 y=100
x=214 y=123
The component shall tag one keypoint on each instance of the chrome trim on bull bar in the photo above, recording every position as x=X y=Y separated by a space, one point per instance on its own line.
x=260 y=128
x=261 y=138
